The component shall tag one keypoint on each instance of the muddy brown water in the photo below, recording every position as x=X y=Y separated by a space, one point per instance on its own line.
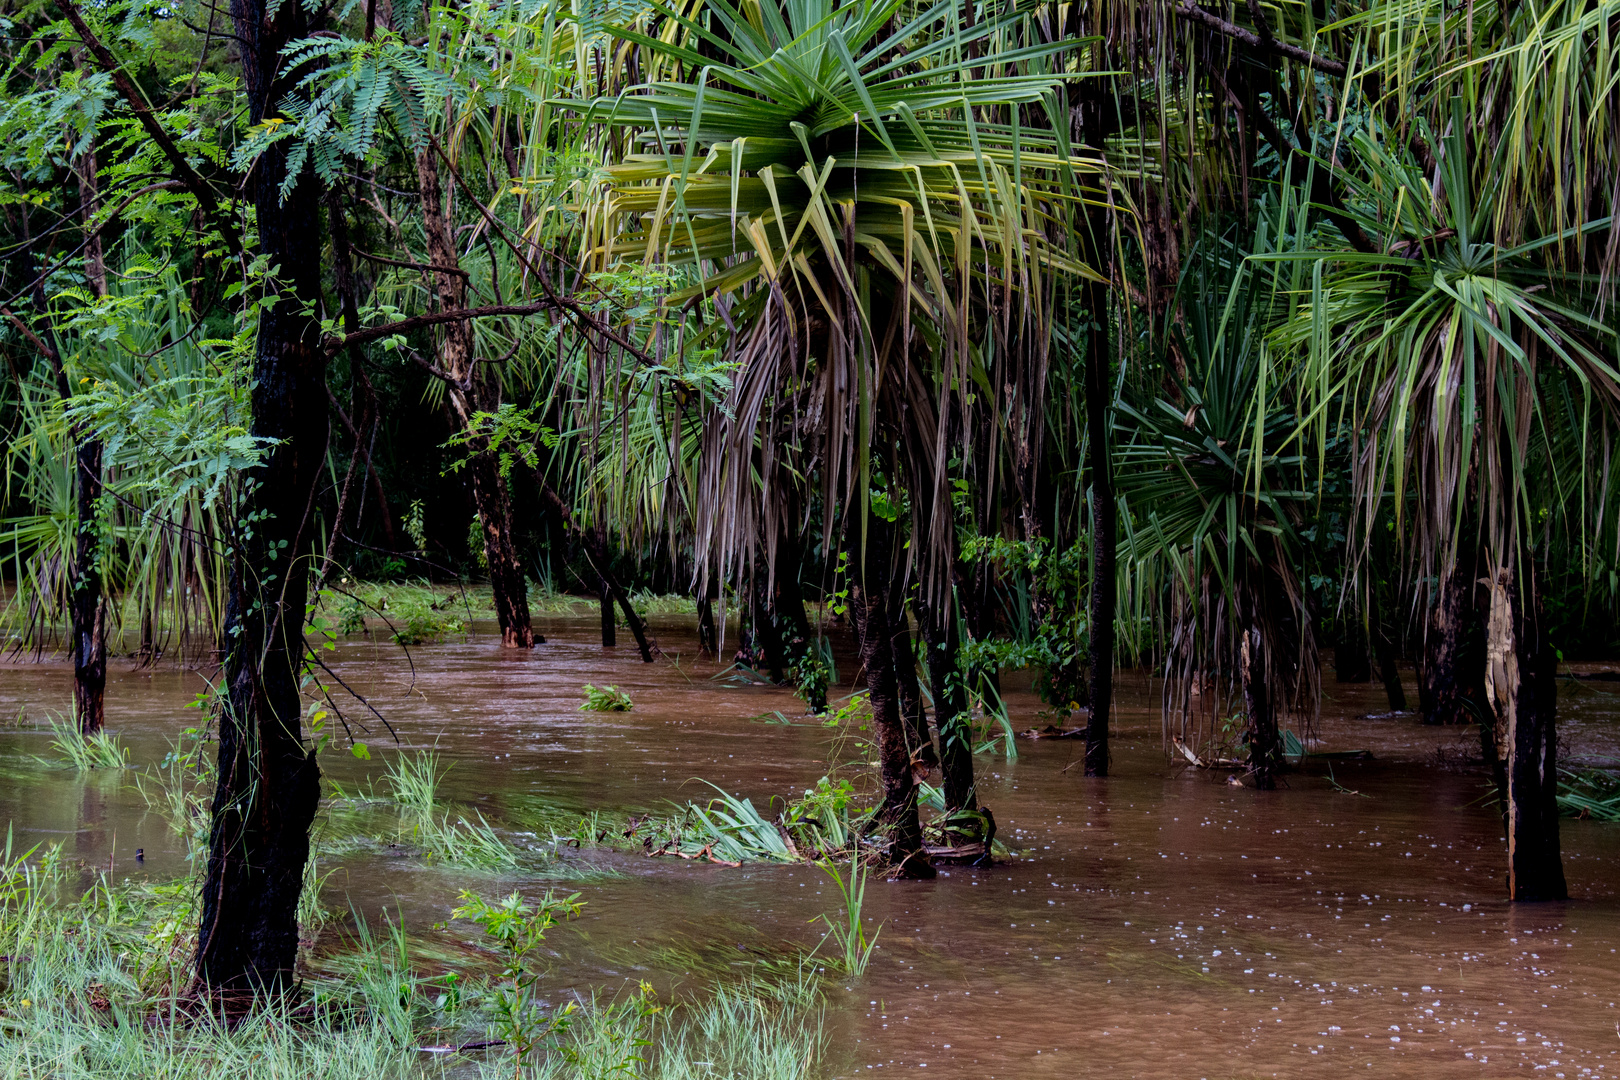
x=1158 y=923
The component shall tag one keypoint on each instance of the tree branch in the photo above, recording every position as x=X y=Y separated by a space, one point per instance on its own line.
x=1189 y=10
x=1322 y=193
x=334 y=343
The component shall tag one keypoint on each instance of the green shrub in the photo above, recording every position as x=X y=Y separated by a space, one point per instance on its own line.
x=606 y=699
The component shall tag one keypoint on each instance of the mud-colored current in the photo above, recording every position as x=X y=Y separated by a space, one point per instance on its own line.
x=1158 y=923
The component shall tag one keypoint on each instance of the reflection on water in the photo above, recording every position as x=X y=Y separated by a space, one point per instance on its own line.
x=1157 y=923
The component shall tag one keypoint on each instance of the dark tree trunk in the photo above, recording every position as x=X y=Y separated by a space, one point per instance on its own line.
x=89 y=599
x=1522 y=743
x=473 y=388
x=919 y=746
x=1351 y=663
x=610 y=636
x=787 y=598
x=708 y=633
x=88 y=596
x=1099 y=406
x=269 y=783
x=1384 y=651
x=1265 y=747
x=767 y=635
x=1454 y=662
x=951 y=720
x=596 y=551
x=869 y=602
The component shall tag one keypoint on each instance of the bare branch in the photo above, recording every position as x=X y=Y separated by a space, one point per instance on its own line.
x=1189 y=10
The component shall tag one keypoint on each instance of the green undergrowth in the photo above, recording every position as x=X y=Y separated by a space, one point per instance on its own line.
x=414 y=612
x=1589 y=793
x=94 y=984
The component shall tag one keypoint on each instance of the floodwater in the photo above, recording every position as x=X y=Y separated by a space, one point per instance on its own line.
x=1158 y=923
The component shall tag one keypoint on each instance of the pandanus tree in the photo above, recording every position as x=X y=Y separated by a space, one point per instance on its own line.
x=1479 y=359
x=856 y=194
x=1217 y=500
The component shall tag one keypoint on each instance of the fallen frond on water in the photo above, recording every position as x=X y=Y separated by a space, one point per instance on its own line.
x=824 y=823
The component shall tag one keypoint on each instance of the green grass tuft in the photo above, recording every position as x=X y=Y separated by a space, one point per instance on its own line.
x=85 y=752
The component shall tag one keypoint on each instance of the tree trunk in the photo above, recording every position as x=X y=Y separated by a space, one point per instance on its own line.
x=919 y=746
x=1265 y=749
x=88 y=595
x=1521 y=688
x=1454 y=662
x=269 y=782
x=767 y=635
x=708 y=633
x=610 y=636
x=1384 y=650
x=951 y=720
x=1099 y=405
x=1351 y=663
x=596 y=551
x=89 y=599
x=473 y=388
x=869 y=602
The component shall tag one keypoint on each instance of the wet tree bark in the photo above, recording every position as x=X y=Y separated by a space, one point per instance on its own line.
x=1521 y=689
x=610 y=636
x=473 y=388
x=708 y=633
x=908 y=690
x=869 y=602
x=269 y=783
x=950 y=709
x=1453 y=670
x=1099 y=405
x=1384 y=650
x=1265 y=749
x=767 y=635
x=89 y=600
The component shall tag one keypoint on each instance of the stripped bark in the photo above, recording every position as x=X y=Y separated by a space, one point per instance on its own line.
x=1522 y=744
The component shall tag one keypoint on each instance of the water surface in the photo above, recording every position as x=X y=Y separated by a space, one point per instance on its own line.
x=1158 y=923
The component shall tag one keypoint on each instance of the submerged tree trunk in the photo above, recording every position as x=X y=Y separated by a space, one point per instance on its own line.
x=1351 y=663
x=596 y=551
x=269 y=783
x=919 y=746
x=1384 y=650
x=473 y=388
x=89 y=597
x=610 y=636
x=767 y=635
x=1521 y=687
x=1099 y=405
x=708 y=633
x=89 y=600
x=951 y=720
x=1265 y=748
x=869 y=602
